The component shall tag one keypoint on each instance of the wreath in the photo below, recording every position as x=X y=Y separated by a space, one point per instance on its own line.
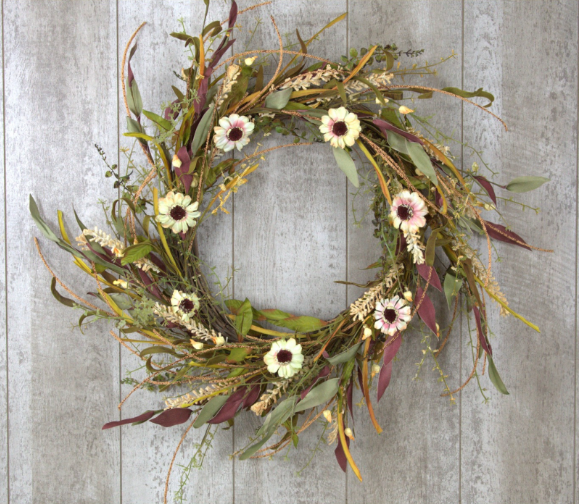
x=217 y=357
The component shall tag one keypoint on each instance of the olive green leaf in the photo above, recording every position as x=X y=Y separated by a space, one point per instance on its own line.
x=346 y=164
x=525 y=184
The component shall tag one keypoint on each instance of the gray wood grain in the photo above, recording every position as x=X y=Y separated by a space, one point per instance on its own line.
x=290 y=247
x=148 y=449
x=416 y=458
x=3 y=338
x=60 y=99
x=519 y=448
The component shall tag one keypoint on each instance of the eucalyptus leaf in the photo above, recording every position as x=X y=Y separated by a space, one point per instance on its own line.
x=344 y=356
x=346 y=164
x=398 y=143
x=210 y=410
x=421 y=160
x=495 y=377
x=525 y=184
x=244 y=318
x=279 y=99
x=162 y=122
x=320 y=394
x=278 y=416
x=202 y=129
x=451 y=287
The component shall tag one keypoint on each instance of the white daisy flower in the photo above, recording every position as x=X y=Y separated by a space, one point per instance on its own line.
x=177 y=212
x=185 y=306
x=340 y=127
x=408 y=211
x=233 y=131
x=391 y=315
x=285 y=358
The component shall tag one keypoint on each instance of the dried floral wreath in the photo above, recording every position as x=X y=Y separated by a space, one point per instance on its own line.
x=220 y=357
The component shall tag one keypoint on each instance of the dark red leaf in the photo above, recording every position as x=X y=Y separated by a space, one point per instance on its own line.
x=384 y=379
x=498 y=232
x=141 y=418
x=487 y=187
x=438 y=199
x=181 y=172
x=217 y=55
x=169 y=113
x=229 y=409
x=172 y=417
x=233 y=14
x=481 y=337
x=323 y=373
x=252 y=397
x=400 y=244
x=340 y=455
x=386 y=126
x=426 y=309
x=151 y=287
x=424 y=270
x=349 y=398
x=392 y=345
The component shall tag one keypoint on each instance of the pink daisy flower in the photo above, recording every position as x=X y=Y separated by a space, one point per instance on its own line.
x=408 y=211
x=233 y=131
x=391 y=315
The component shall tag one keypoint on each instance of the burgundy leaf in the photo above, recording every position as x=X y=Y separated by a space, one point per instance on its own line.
x=323 y=373
x=390 y=352
x=233 y=14
x=487 y=187
x=252 y=397
x=169 y=113
x=483 y=341
x=141 y=418
x=340 y=455
x=181 y=172
x=158 y=262
x=384 y=379
x=349 y=398
x=424 y=270
x=217 y=55
x=151 y=287
x=172 y=417
x=386 y=126
x=400 y=244
x=426 y=310
x=229 y=409
x=498 y=232
x=438 y=199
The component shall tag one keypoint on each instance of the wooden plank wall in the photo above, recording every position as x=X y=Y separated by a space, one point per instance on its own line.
x=290 y=234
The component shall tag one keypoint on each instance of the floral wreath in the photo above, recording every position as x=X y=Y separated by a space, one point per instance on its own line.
x=215 y=355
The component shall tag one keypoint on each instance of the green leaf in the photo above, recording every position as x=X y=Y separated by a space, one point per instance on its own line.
x=121 y=300
x=344 y=356
x=279 y=99
x=202 y=129
x=134 y=100
x=136 y=252
x=61 y=299
x=244 y=318
x=495 y=377
x=346 y=164
x=320 y=394
x=238 y=354
x=451 y=287
x=35 y=213
x=157 y=119
x=525 y=184
x=421 y=160
x=398 y=143
x=474 y=94
x=210 y=410
x=278 y=416
x=253 y=448
x=283 y=319
x=430 y=251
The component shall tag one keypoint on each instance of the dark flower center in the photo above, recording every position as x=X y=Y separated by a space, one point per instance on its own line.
x=235 y=134
x=390 y=315
x=186 y=305
x=178 y=212
x=404 y=212
x=340 y=128
x=284 y=356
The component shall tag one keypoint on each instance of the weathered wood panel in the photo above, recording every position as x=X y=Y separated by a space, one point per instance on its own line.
x=289 y=248
x=416 y=458
x=60 y=98
x=147 y=449
x=519 y=448
x=3 y=338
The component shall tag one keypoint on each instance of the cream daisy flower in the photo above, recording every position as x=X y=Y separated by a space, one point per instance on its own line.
x=340 y=127
x=285 y=358
x=233 y=131
x=185 y=306
x=177 y=212
x=408 y=211
x=391 y=315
